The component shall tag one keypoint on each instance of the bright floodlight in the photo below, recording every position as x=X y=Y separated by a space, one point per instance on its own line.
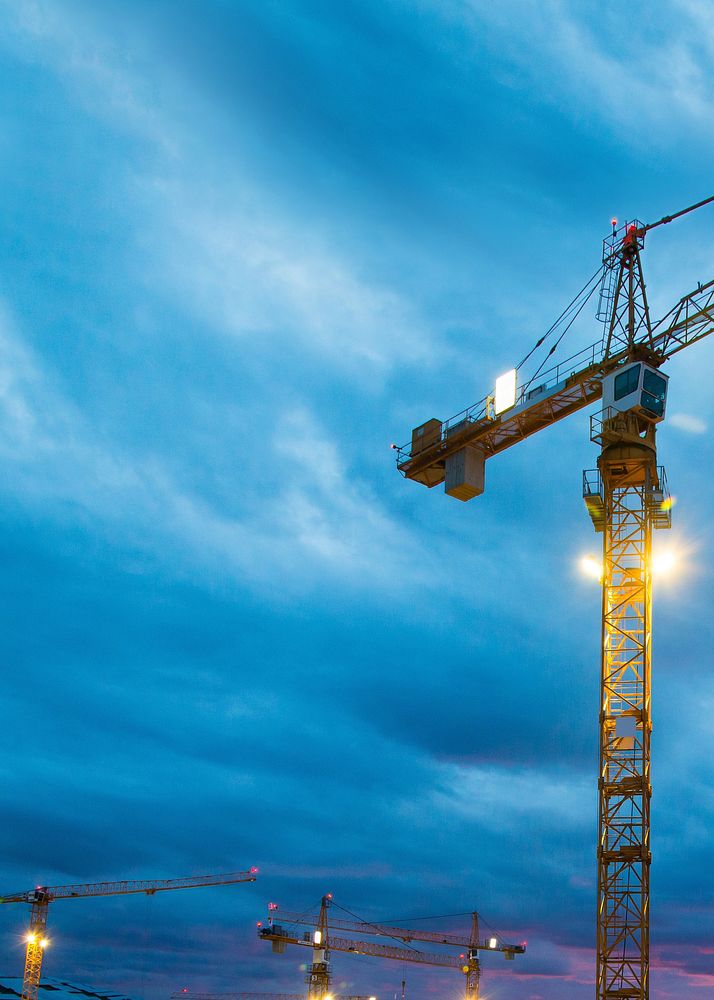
x=505 y=395
x=31 y=938
x=592 y=567
x=44 y=942
x=664 y=563
x=493 y=942
x=317 y=939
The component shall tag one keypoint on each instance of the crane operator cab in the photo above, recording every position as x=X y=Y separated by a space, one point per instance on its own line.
x=636 y=388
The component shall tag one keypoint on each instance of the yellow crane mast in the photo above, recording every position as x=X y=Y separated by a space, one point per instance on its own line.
x=626 y=497
x=40 y=898
x=322 y=941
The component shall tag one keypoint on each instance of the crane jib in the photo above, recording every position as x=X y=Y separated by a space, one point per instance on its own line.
x=690 y=320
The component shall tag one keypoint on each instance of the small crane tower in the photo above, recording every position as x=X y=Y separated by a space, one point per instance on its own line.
x=40 y=898
x=321 y=940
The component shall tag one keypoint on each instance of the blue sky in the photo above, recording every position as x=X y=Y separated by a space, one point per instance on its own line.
x=247 y=245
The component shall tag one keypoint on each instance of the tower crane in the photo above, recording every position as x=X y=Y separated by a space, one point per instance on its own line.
x=626 y=497
x=41 y=896
x=322 y=942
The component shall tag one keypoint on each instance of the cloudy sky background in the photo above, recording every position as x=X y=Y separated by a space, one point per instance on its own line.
x=247 y=244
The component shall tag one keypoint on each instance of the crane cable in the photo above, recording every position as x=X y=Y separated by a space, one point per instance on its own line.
x=644 y=229
x=573 y=305
x=376 y=927
x=572 y=320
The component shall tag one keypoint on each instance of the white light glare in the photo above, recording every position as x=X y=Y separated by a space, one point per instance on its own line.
x=592 y=567
x=44 y=943
x=664 y=563
x=505 y=395
x=317 y=939
x=493 y=942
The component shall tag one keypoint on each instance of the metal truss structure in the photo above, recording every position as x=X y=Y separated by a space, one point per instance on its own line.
x=629 y=481
x=41 y=897
x=626 y=499
x=322 y=941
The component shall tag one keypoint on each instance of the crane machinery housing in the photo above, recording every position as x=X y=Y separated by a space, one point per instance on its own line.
x=41 y=896
x=322 y=941
x=626 y=497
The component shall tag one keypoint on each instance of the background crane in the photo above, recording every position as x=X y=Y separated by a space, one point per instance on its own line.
x=188 y=995
x=626 y=497
x=40 y=898
x=322 y=941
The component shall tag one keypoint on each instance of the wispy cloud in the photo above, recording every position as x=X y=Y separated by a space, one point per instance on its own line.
x=591 y=66
x=512 y=797
x=318 y=520
x=222 y=251
x=244 y=272
x=687 y=423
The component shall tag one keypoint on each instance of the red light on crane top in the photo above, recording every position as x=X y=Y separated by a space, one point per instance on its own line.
x=254 y=871
x=272 y=906
x=259 y=923
x=329 y=895
x=613 y=220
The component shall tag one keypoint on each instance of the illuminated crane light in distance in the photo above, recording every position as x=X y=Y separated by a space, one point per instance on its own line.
x=505 y=395
x=317 y=939
x=493 y=942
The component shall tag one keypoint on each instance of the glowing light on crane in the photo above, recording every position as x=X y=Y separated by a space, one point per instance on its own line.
x=505 y=395
x=664 y=563
x=591 y=567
